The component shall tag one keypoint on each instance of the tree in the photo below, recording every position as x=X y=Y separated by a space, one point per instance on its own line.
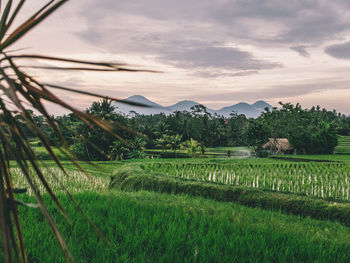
x=119 y=150
x=191 y=146
x=257 y=133
x=309 y=131
x=236 y=129
x=175 y=142
x=97 y=142
x=163 y=142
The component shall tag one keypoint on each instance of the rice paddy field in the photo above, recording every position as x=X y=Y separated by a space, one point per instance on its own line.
x=149 y=226
x=343 y=145
x=324 y=180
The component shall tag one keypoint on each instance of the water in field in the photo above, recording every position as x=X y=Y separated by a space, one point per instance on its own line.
x=223 y=152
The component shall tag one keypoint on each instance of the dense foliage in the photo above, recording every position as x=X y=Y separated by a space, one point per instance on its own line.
x=308 y=130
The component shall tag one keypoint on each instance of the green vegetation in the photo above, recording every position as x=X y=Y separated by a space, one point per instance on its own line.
x=149 y=227
x=324 y=180
x=133 y=178
x=315 y=157
x=192 y=134
x=214 y=197
x=343 y=145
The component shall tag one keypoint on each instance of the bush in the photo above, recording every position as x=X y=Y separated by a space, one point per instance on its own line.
x=135 y=179
x=136 y=154
x=78 y=149
x=43 y=156
x=173 y=155
x=262 y=153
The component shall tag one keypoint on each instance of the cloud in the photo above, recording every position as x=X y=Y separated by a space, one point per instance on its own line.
x=220 y=74
x=279 y=91
x=145 y=27
x=196 y=54
x=207 y=43
x=340 y=51
x=280 y=21
x=301 y=50
x=299 y=21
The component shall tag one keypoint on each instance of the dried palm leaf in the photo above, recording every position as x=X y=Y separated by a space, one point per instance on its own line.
x=18 y=92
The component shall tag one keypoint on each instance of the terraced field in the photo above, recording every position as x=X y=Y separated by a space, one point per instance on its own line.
x=244 y=210
x=343 y=145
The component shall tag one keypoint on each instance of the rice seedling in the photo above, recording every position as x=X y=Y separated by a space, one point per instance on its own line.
x=323 y=180
x=73 y=181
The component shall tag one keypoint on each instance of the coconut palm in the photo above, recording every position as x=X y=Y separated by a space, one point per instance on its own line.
x=192 y=147
x=20 y=92
x=175 y=142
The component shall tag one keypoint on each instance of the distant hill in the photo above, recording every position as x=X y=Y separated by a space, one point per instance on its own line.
x=186 y=105
x=261 y=105
x=250 y=110
x=153 y=109
x=241 y=108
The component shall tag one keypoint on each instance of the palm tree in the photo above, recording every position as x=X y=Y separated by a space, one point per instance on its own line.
x=191 y=146
x=20 y=91
x=163 y=142
x=175 y=142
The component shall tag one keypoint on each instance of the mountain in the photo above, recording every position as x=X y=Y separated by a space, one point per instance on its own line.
x=183 y=105
x=153 y=108
x=261 y=105
x=143 y=100
x=186 y=105
x=240 y=108
x=250 y=110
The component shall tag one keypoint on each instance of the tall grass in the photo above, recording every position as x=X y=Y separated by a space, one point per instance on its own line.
x=73 y=181
x=150 y=227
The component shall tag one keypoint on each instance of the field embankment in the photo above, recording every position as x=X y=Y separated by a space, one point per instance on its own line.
x=133 y=178
x=146 y=226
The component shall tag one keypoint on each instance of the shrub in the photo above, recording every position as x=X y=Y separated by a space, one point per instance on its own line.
x=43 y=156
x=262 y=153
x=136 y=154
x=174 y=155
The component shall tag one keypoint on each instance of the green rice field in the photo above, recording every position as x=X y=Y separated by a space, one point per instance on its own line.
x=324 y=180
x=146 y=226
x=343 y=145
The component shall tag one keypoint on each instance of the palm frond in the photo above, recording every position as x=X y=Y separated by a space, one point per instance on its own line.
x=20 y=92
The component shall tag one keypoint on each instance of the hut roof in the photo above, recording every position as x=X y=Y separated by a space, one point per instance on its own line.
x=279 y=144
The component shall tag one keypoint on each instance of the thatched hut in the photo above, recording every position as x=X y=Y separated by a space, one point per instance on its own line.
x=278 y=146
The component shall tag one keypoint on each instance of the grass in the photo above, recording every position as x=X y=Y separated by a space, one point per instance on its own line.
x=324 y=180
x=343 y=145
x=75 y=181
x=161 y=227
x=216 y=152
x=43 y=155
x=133 y=178
x=324 y=157
x=151 y=227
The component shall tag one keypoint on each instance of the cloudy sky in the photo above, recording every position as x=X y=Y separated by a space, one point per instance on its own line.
x=216 y=52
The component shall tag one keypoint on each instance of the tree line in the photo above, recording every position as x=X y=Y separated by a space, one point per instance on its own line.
x=310 y=131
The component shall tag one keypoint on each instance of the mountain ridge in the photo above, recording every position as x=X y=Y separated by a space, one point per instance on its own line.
x=249 y=110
